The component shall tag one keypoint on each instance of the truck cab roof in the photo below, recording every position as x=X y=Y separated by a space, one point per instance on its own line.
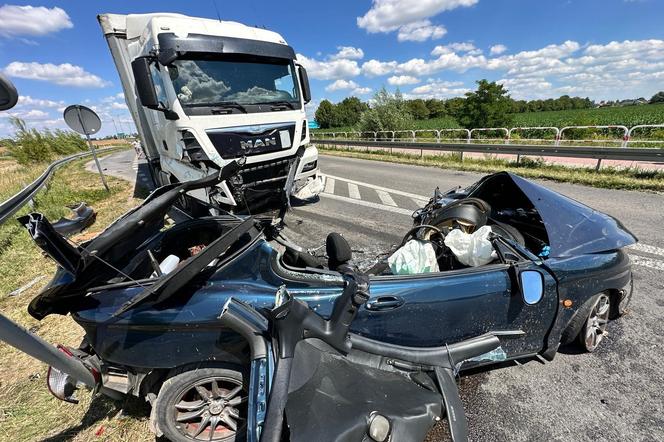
x=145 y=25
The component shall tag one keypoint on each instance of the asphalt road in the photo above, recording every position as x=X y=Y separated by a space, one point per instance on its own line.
x=613 y=394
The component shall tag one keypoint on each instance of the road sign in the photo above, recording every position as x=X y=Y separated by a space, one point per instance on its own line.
x=82 y=119
x=85 y=121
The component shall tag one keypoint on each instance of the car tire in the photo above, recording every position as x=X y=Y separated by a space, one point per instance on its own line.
x=594 y=328
x=197 y=404
x=577 y=326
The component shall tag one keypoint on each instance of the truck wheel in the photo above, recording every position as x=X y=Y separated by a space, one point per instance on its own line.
x=206 y=404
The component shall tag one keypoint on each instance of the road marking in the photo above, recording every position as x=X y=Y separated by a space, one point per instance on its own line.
x=373 y=186
x=385 y=198
x=645 y=248
x=420 y=202
x=353 y=191
x=647 y=262
x=329 y=185
x=367 y=204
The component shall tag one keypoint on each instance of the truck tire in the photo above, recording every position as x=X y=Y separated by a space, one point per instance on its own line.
x=207 y=404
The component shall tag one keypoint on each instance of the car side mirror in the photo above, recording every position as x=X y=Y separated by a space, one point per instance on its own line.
x=532 y=286
x=304 y=81
x=8 y=94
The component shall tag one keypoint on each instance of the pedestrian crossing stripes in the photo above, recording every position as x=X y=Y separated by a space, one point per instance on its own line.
x=385 y=198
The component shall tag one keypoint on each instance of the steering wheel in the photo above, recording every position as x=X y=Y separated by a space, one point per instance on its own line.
x=411 y=233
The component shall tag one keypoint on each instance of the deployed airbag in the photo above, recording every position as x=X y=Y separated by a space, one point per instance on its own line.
x=413 y=258
x=472 y=249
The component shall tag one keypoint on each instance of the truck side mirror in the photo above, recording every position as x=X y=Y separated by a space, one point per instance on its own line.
x=147 y=93
x=8 y=94
x=304 y=81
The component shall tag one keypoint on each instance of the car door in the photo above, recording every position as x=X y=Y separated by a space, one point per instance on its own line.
x=446 y=307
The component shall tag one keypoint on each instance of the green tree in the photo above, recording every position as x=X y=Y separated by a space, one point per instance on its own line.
x=453 y=106
x=657 y=98
x=325 y=114
x=388 y=112
x=418 y=109
x=436 y=108
x=348 y=111
x=488 y=106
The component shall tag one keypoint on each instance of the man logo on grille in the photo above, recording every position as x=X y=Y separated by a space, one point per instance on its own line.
x=258 y=142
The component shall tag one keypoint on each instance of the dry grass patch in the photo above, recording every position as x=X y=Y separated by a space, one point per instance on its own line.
x=28 y=412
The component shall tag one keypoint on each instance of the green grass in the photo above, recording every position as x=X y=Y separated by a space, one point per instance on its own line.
x=27 y=410
x=607 y=177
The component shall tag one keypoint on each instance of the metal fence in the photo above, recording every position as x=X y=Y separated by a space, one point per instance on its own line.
x=503 y=141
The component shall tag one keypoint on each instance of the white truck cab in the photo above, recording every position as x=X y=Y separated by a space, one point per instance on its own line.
x=204 y=92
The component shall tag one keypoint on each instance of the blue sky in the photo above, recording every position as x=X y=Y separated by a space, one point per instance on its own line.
x=604 y=49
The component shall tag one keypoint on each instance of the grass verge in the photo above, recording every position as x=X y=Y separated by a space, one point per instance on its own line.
x=607 y=177
x=27 y=410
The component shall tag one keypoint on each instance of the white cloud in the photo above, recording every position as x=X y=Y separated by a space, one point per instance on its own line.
x=361 y=91
x=33 y=114
x=438 y=89
x=402 y=80
x=32 y=20
x=341 y=85
x=456 y=47
x=329 y=70
x=348 y=53
x=28 y=101
x=449 y=61
x=62 y=74
x=375 y=68
x=421 y=31
x=497 y=49
x=390 y=15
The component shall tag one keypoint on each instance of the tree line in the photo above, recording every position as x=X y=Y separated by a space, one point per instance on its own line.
x=488 y=106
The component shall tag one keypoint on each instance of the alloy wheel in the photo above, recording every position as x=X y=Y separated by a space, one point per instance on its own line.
x=595 y=327
x=212 y=409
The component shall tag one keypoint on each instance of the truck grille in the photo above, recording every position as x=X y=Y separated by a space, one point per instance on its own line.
x=235 y=142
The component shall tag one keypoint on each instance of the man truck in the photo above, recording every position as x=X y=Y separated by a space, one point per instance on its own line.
x=205 y=92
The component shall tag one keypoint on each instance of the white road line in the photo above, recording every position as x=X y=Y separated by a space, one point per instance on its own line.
x=420 y=202
x=385 y=198
x=372 y=186
x=329 y=185
x=645 y=248
x=647 y=262
x=353 y=191
x=368 y=204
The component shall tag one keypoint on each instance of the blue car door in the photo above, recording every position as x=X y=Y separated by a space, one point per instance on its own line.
x=446 y=307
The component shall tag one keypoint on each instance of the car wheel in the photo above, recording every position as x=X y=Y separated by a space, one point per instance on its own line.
x=594 y=328
x=206 y=404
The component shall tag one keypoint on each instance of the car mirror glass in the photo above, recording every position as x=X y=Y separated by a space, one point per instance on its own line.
x=532 y=286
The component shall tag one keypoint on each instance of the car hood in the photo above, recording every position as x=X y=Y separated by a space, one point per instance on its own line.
x=573 y=228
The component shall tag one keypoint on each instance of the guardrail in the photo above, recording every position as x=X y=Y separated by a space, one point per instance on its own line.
x=14 y=204
x=598 y=153
x=623 y=140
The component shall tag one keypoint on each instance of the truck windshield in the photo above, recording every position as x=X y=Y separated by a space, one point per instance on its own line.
x=217 y=82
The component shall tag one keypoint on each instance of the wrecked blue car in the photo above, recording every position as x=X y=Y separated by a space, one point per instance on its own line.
x=149 y=295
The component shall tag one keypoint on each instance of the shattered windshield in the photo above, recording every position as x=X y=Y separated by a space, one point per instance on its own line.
x=214 y=82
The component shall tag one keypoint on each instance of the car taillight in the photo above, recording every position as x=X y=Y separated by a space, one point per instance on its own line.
x=61 y=385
